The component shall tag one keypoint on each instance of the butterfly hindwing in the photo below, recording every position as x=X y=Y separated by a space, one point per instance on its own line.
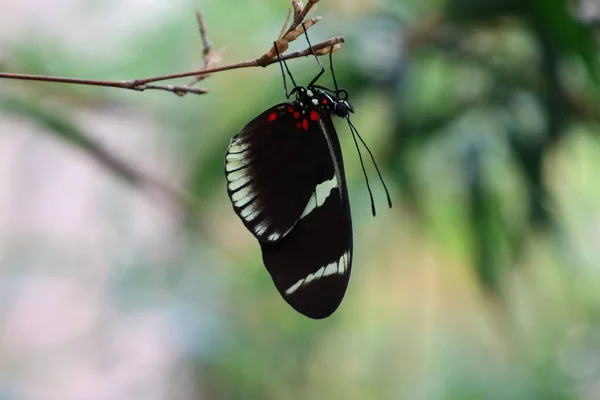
x=271 y=171
x=311 y=265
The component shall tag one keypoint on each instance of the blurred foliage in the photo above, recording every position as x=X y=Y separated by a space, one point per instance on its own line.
x=481 y=283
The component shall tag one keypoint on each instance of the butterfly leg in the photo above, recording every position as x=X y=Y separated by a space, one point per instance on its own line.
x=314 y=80
x=337 y=89
x=282 y=64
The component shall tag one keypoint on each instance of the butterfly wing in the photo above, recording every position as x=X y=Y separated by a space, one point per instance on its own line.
x=311 y=265
x=271 y=171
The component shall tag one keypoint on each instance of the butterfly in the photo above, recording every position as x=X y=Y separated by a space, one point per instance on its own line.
x=286 y=182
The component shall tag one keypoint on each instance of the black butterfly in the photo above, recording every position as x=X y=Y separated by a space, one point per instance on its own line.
x=285 y=179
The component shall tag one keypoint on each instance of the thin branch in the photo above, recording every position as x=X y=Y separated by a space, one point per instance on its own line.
x=207 y=54
x=206 y=44
x=178 y=90
x=297 y=7
x=299 y=16
x=132 y=85
x=292 y=32
x=249 y=63
x=143 y=84
x=210 y=59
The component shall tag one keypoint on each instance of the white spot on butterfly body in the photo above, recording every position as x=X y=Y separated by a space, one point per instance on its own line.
x=252 y=216
x=261 y=228
x=235 y=156
x=295 y=287
x=237 y=184
x=331 y=269
x=234 y=165
x=274 y=236
x=320 y=273
x=316 y=275
x=237 y=147
x=343 y=264
x=334 y=268
x=243 y=201
x=322 y=192
x=239 y=174
x=311 y=205
x=241 y=194
x=248 y=210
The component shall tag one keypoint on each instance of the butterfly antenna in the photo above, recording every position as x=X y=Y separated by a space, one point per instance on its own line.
x=316 y=57
x=282 y=63
x=387 y=193
x=362 y=164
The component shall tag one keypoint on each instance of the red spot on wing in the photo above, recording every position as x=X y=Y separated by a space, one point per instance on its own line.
x=305 y=124
x=272 y=117
x=290 y=108
x=314 y=115
x=297 y=125
x=324 y=101
x=296 y=115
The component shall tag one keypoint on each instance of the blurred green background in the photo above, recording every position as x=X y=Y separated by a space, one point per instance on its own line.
x=125 y=273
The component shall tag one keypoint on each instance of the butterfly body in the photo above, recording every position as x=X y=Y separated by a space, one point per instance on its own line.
x=286 y=181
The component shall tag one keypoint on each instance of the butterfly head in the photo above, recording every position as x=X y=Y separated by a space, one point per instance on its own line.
x=341 y=107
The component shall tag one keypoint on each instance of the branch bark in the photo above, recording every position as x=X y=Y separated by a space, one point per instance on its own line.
x=146 y=83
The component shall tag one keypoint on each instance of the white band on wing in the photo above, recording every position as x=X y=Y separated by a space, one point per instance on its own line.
x=322 y=192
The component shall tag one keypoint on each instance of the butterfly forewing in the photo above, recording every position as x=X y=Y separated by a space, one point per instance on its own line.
x=311 y=265
x=271 y=172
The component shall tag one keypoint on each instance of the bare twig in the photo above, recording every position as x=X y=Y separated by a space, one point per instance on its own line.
x=207 y=54
x=293 y=31
x=283 y=42
x=132 y=85
x=249 y=63
x=297 y=6
x=178 y=90
x=210 y=58
x=327 y=50
x=206 y=44
x=300 y=15
x=143 y=84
